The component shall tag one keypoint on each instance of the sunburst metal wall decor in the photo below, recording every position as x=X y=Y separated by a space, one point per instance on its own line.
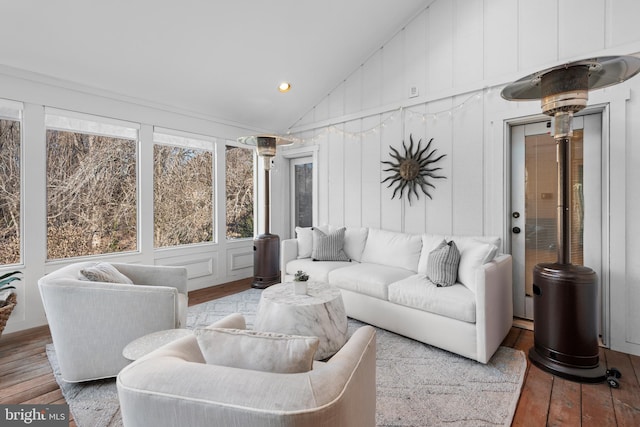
x=413 y=169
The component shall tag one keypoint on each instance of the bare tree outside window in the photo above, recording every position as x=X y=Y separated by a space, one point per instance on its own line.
x=183 y=195
x=9 y=191
x=239 y=188
x=91 y=194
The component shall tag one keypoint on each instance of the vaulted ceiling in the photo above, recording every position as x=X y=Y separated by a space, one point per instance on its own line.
x=220 y=59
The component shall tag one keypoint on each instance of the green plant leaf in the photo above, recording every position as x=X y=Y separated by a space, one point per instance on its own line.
x=9 y=280
x=10 y=274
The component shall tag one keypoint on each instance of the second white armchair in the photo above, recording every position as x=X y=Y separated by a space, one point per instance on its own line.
x=92 y=321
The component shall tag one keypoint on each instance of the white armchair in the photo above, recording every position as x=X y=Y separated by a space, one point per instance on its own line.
x=174 y=386
x=91 y=322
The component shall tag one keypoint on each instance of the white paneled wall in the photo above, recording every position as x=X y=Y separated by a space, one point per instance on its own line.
x=459 y=55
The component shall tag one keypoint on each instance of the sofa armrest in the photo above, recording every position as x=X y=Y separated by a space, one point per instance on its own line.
x=494 y=304
x=288 y=252
x=157 y=275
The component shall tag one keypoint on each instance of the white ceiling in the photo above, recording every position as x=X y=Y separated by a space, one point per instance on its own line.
x=222 y=59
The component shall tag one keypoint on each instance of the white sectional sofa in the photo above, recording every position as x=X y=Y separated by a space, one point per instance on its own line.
x=385 y=284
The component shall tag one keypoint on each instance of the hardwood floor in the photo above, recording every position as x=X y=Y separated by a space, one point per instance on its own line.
x=26 y=377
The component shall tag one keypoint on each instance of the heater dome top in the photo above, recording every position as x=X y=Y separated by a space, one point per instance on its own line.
x=602 y=72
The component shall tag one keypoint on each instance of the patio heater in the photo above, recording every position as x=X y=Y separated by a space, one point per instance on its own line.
x=266 y=247
x=565 y=301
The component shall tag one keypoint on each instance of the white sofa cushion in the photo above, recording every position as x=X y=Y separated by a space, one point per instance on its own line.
x=317 y=270
x=429 y=243
x=392 y=249
x=368 y=279
x=304 y=236
x=354 y=242
x=456 y=302
x=259 y=351
x=473 y=256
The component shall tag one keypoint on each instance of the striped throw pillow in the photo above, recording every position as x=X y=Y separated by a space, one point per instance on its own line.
x=442 y=265
x=328 y=247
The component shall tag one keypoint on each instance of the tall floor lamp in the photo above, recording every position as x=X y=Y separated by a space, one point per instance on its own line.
x=565 y=308
x=266 y=247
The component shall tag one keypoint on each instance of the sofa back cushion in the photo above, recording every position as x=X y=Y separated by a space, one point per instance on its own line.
x=354 y=241
x=393 y=249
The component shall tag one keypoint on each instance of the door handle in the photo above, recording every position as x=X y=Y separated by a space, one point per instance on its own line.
x=516 y=230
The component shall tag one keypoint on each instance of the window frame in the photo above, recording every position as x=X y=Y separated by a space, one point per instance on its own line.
x=256 y=207
x=64 y=120
x=176 y=138
x=14 y=110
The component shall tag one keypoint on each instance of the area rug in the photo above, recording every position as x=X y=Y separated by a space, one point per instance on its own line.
x=417 y=384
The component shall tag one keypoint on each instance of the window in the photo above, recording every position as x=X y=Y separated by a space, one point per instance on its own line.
x=10 y=162
x=182 y=189
x=91 y=185
x=239 y=187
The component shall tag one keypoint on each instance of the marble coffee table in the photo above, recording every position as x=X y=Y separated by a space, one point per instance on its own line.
x=320 y=313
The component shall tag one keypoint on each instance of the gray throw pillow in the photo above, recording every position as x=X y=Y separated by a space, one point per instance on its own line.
x=442 y=265
x=328 y=247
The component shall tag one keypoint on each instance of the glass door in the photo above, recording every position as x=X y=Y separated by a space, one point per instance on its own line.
x=301 y=192
x=534 y=202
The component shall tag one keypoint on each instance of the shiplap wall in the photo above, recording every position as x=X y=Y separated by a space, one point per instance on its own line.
x=461 y=53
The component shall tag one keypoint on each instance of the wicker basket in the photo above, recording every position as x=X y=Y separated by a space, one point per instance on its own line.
x=5 y=311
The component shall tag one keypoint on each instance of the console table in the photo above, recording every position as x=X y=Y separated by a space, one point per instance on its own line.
x=319 y=313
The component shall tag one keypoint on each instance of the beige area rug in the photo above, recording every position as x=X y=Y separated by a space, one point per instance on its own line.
x=417 y=384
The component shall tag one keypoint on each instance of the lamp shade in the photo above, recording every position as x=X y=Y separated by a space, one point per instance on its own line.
x=601 y=72
x=265 y=144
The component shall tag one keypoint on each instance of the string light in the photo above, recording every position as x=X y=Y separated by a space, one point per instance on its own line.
x=410 y=115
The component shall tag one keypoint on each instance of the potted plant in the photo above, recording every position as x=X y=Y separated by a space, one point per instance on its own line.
x=7 y=297
x=300 y=283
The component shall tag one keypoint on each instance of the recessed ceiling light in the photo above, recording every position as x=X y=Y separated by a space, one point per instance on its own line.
x=284 y=87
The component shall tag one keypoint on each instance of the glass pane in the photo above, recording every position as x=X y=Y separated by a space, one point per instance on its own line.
x=541 y=202
x=239 y=188
x=183 y=195
x=91 y=194
x=303 y=203
x=9 y=191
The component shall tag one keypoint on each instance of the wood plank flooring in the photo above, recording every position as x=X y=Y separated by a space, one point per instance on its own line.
x=26 y=377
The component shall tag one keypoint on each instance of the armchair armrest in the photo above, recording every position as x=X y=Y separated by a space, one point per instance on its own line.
x=175 y=277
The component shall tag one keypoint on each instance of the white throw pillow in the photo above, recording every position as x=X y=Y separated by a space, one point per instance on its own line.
x=105 y=272
x=354 y=241
x=429 y=243
x=474 y=254
x=305 y=241
x=259 y=351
